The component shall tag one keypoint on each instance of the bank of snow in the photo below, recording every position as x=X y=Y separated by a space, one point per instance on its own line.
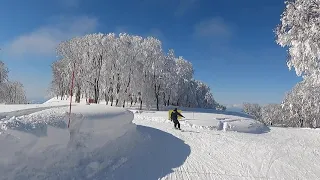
x=102 y=143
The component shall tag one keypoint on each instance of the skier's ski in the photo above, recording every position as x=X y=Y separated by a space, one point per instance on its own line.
x=178 y=129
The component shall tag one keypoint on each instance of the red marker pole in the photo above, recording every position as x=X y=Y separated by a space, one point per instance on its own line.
x=71 y=88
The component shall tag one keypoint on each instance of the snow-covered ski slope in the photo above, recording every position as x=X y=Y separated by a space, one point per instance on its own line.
x=104 y=143
x=275 y=154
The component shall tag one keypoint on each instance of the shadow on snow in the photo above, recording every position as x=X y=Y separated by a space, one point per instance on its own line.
x=152 y=159
x=152 y=155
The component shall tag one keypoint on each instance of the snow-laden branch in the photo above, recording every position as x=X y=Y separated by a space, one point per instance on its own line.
x=128 y=68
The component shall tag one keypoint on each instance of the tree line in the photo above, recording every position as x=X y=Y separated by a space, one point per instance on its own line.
x=299 y=33
x=10 y=92
x=128 y=69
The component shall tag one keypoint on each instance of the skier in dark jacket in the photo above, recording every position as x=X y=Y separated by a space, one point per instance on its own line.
x=174 y=118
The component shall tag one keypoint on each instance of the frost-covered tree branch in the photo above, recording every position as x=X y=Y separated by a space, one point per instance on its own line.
x=253 y=110
x=299 y=31
x=127 y=69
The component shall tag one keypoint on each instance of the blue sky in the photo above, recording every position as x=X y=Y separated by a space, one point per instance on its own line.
x=230 y=43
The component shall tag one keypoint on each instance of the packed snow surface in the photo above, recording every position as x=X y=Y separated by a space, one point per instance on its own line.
x=278 y=153
x=113 y=143
x=102 y=143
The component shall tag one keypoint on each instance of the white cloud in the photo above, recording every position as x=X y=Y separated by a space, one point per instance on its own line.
x=44 y=40
x=213 y=28
x=157 y=33
x=184 y=5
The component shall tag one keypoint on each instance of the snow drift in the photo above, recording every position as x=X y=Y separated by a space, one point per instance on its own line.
x=102 y=143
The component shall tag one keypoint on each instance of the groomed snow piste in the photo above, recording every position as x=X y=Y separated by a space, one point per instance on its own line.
x=113 y=143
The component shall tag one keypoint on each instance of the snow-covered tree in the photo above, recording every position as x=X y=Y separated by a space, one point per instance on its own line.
x=221 y=107
x=126 y=68
x=302 y=105
x=131 y=52
x=3 y=80
x=3 y=72
x=184 y=73
x=10 y=92
x=272 y=114
x=253 y=110
x=169 y=78
x=299 y=31
x=204 y=98
x=14 y=93
x=60 y=78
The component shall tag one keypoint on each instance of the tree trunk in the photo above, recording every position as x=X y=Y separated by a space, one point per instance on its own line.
x=61 y=95
x=78 y=94
x=187 y=99
x=118 y=89
x=124 y=103
x=106 y=97
x=111 y=100
x=96 y=91
x=140 y=104
x=156 y=91
x=157 y=99
x=96 y=95
x=109 y=95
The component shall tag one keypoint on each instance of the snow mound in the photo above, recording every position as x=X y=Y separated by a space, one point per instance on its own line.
x=65 y=100
x=237 y=125
x=102 y=143
x=34 y=123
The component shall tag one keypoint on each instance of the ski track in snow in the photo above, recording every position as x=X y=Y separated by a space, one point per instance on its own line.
x=281 y=154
